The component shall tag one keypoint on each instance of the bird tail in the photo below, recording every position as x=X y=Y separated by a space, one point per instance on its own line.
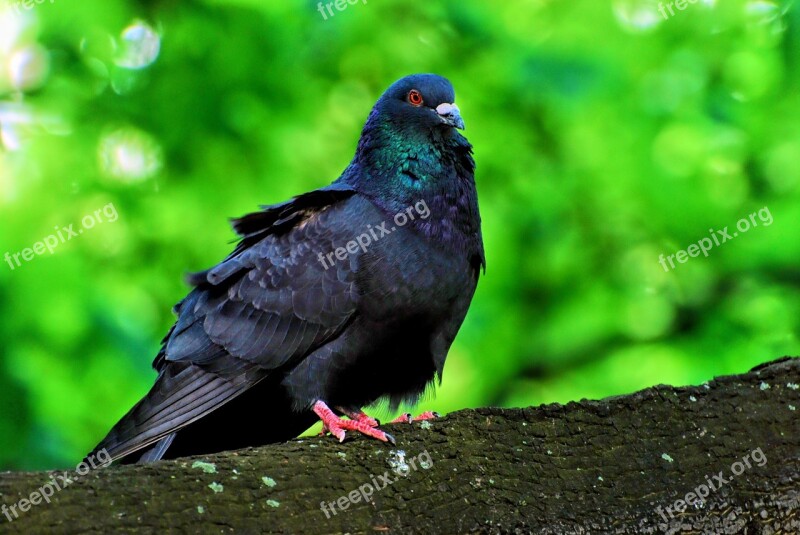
x=182 y=394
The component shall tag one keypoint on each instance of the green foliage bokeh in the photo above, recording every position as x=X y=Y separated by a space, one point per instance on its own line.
x=605 y=136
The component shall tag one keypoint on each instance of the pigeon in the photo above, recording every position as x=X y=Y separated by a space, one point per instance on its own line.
x=332 y=301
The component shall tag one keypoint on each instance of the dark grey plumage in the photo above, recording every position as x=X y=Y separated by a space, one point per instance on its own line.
x=274 y=327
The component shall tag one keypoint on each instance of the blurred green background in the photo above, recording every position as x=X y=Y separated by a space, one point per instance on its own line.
x=605 y=135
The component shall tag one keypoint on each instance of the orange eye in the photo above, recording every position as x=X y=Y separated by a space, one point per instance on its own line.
x=415 y=98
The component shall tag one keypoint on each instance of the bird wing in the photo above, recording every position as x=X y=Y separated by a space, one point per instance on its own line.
x=271 y=302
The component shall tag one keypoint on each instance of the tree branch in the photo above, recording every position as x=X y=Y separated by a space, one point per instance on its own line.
x=619 y=465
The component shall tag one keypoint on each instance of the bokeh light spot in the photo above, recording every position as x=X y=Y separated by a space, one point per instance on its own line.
x=129 y=155
x=637 y=16
x=139 y=47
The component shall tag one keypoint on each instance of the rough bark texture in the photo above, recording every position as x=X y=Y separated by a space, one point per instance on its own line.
x=610 y=466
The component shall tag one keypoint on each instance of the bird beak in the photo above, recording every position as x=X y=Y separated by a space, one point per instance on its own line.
x=450 y=115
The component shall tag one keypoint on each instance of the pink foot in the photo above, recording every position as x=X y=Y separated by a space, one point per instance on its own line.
x=360 y=416
x=407 y=418
x=337 y=426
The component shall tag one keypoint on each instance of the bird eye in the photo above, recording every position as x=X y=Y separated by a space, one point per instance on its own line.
x=415 y=98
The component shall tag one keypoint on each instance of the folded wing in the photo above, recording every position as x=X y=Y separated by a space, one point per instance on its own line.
x=269 y=304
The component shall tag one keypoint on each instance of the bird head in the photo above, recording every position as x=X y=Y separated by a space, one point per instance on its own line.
x=424 y=101
x=411 y=147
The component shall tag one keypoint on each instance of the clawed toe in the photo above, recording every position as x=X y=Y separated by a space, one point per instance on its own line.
x=406 y=418
x=358 y=421
x=360 y=416
x=361 y=422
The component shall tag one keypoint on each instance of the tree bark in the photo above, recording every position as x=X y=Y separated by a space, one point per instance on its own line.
x=619 y=465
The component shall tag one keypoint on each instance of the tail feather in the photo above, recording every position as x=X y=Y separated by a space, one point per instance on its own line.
x=182 y=394
x=156 y=452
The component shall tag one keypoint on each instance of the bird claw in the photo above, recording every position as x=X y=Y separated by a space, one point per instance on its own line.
x=361 y=416
x=338 y=426
x=427 y=415
x=406 y=418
